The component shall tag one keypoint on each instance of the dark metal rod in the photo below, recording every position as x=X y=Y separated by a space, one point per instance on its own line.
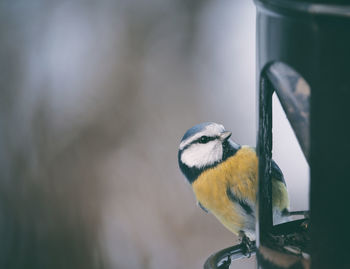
x=294 y=94
x=264 y=149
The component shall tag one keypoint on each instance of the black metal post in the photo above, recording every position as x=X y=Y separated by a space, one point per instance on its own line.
x=264 y=149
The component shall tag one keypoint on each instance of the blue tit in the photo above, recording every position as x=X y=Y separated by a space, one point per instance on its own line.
x=224 y=178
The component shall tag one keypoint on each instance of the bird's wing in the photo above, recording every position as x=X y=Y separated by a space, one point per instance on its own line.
x=276 y=172
x=237 y=200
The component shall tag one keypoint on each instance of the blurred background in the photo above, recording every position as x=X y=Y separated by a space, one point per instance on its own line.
x=95 y=97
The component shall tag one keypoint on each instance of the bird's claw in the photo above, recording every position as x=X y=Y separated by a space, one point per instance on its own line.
x=247 y=245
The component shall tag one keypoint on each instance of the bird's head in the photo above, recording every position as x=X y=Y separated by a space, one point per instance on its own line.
x=203 y=146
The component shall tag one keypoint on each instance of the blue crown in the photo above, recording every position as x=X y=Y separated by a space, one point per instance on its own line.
x=195 y=129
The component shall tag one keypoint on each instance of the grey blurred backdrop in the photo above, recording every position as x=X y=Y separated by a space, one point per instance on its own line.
x=95 y=97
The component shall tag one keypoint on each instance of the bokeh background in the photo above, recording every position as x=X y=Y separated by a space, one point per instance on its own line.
x=95 y=97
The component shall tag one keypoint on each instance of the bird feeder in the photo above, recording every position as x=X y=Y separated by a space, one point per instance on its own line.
x=303 y=55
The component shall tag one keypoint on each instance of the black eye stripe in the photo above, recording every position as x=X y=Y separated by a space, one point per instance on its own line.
x=204 y=139
x=211 y=138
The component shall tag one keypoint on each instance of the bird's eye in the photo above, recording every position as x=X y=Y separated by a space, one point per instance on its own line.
x=204 y=139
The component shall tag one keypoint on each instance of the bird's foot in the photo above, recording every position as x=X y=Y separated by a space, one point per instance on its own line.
x=246 y=244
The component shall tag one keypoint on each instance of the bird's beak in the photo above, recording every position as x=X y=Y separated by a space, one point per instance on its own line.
x=225 y=135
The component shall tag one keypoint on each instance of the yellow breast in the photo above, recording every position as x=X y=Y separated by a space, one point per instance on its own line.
x=239 y=173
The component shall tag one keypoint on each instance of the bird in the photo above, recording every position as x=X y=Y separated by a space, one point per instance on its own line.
x=224 y=178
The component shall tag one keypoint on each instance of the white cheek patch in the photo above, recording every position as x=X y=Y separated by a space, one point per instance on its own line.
x=201 y=155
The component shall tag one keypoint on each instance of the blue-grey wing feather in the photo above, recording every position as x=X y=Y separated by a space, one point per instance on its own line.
x=276 y=172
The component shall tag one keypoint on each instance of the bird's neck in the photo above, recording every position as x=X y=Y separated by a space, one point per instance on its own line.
x=192 y=173
x=229 y=149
